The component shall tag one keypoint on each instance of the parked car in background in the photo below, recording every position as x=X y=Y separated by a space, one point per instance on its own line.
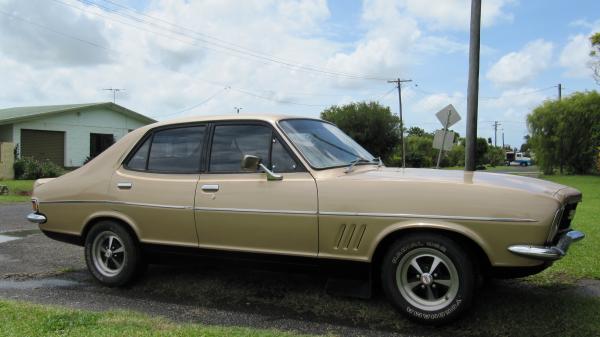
x=299 y=189
x=517 y=158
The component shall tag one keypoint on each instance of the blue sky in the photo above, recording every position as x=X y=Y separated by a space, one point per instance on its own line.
x=66 y=51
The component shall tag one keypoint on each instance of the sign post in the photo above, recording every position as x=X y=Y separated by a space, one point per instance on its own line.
x=444 y=138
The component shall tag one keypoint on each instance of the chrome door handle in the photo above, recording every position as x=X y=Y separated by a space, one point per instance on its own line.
x=124 y=186
x=210 y=188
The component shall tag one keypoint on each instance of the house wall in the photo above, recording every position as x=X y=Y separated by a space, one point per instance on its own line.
x=77 y=127
x=7 y=159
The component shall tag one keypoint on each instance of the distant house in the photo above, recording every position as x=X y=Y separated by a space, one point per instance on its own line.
x=67 y=134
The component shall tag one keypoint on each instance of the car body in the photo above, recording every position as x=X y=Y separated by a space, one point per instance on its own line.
x=271 y=185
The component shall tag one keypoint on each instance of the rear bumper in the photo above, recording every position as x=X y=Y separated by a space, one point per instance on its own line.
x=36 y=218
x=548 y=253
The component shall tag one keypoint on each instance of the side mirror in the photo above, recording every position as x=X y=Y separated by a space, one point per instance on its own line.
x=251 y=163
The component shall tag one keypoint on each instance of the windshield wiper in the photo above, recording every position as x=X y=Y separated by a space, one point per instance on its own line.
x=356 y=161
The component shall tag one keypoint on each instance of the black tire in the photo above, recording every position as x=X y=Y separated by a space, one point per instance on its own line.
x=118 y=268
x=429 y=301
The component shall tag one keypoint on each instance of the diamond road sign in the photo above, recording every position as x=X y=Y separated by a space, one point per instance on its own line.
x=448 y=116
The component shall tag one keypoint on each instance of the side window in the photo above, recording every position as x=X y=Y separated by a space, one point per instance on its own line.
x=176 y=150
x=281 y=160
x=232 y=142
x=138 y=161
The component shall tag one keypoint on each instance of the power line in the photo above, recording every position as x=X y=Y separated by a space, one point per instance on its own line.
x=199 y=104
x=214 y=83
x=238 y=52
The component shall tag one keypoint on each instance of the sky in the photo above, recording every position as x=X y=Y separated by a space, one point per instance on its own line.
x=178 y=58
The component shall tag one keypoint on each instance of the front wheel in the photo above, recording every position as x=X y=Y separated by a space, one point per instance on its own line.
x=112 y=254
x=428 y=277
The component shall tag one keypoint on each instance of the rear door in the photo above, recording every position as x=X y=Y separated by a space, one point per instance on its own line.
x=237 y=210
x=156 y=184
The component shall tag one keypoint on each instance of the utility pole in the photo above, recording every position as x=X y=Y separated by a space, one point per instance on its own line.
x=399 y=85
x=496 y=125
x=237 y=109
x=559 y=91
x=503 y=138
x=473 y=86
x=114 y=91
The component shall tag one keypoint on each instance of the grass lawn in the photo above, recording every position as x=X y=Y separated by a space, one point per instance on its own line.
x=18 y=190
x=583 y=258
x=23 y=319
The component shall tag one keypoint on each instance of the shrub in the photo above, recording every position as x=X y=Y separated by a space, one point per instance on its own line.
x=29 y=168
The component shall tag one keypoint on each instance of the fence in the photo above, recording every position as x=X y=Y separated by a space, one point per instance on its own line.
x=7 y=159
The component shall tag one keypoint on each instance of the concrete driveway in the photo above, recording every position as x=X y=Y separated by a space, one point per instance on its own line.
x=36 y=269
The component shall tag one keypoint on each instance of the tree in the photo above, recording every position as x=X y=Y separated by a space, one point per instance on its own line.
x=566 y=133
x=481 y=149
x=370 y=124
x=595 y=55
x=415 y=131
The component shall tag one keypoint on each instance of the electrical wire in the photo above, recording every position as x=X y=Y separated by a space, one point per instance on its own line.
x=237 y=51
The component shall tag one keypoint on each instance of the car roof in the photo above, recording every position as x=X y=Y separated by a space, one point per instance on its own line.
x=261 y=117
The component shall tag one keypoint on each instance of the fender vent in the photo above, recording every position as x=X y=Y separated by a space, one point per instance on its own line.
x=349 y=236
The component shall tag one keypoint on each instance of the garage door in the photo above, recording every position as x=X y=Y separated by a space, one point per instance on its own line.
x=43 y=145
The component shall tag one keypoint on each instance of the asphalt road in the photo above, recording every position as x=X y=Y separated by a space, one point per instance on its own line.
x=36 y=269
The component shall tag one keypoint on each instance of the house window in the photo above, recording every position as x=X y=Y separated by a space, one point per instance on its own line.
x=100 y=142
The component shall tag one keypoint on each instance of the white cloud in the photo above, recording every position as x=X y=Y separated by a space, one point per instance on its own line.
x=455 y=14
x=23 y=36
x=575 y=56
x=163 y=72
x=519 y=68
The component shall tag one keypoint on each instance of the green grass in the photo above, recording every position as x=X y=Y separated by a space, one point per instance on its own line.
x=583 y=258
x=18 y=190
x=22 y=319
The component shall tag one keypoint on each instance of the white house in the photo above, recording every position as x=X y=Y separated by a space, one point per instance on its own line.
x=67 y=134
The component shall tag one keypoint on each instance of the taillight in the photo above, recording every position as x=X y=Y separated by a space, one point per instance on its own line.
x=34 y=205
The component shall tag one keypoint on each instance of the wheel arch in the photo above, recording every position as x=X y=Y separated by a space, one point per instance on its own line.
x=473 y=243
x=122 y=219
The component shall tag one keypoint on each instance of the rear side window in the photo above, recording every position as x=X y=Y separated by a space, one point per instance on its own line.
x=176 y=150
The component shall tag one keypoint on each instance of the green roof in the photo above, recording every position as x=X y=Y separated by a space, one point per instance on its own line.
x=11 y=115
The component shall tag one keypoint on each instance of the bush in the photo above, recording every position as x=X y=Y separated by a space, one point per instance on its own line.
x=30 y=169
x=495 y=156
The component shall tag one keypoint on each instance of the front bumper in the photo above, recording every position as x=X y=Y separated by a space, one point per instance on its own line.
x=548 y=253
x=36 y=218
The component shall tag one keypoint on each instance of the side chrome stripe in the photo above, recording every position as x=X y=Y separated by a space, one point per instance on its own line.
x=426 y=216
x=326 y=213
x=113 y=202
x=254 y=210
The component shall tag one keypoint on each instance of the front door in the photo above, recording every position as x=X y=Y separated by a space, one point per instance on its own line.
x=155 y=186
x=237 y=210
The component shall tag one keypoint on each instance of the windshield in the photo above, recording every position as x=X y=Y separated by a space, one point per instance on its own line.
x=323 y=144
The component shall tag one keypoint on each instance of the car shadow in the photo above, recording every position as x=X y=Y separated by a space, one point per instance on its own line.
x=501 y=307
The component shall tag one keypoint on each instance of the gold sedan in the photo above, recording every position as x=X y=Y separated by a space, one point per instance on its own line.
x=300 y=189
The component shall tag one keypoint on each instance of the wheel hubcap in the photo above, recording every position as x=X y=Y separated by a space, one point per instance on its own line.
x=427 y=279
x=108 y=253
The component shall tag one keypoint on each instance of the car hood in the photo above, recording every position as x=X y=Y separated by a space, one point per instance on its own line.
x=478 y=178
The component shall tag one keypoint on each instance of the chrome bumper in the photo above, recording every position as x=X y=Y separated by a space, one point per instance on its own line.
x=548 y=253
x=36 y=218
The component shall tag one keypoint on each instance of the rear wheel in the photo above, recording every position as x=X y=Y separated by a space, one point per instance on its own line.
x=428 y=277
x=112 y=254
